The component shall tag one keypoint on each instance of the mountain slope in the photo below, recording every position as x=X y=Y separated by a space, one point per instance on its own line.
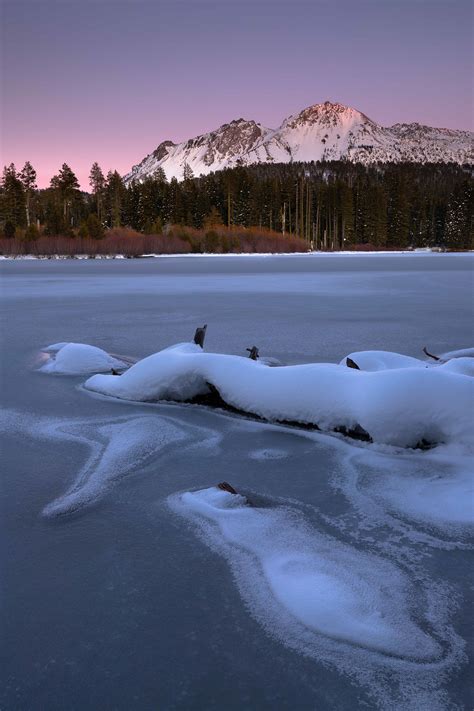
x=326 y=131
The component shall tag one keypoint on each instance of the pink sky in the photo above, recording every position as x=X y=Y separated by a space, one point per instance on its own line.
x=108 y=81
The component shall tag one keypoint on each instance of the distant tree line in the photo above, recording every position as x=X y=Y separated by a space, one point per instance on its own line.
x=331 y=206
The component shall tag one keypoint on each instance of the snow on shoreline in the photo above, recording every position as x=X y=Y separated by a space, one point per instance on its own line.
x=86 y=257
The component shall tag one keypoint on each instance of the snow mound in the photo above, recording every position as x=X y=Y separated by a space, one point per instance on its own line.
x=460 y=365
x=309 y=580
x=399 y=407
x=383 y=360
x=55 y=347
x=79 y=359
x=461 y=362
x=461 y=353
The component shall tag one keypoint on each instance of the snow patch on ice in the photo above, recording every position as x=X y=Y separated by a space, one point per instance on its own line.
x=353 y=610
x=128 y=445
x=117 y=447
x=434 y=488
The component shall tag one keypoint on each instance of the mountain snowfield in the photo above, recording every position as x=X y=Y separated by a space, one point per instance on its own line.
x=328 y=131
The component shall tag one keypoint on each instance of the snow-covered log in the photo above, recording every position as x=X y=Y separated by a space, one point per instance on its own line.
x=404 y=403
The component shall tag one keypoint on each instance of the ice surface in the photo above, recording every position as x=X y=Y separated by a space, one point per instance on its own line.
x=399 y=406
x=146 y=609
x=265 y=454
x=79 y=359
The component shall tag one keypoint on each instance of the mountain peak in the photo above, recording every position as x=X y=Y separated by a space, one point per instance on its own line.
x=328 y=113
x=321 y=132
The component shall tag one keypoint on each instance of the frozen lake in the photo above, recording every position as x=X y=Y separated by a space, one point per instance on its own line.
x=126 y=603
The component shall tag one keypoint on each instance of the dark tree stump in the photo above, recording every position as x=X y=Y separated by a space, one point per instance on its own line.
x=253 y=353
x=200 y=335
x=352 y=364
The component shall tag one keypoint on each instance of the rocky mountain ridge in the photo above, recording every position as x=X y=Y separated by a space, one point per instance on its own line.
x=327 y=131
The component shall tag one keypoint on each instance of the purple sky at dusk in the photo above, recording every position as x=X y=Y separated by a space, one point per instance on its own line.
x=108 y=80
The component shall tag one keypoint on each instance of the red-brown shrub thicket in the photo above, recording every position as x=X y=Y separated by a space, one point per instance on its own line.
x=177 y=240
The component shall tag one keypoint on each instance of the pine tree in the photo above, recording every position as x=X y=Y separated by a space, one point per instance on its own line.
x=67 y=186
x=188 y=173
x=346 y=203
x=398 y=210
x=28 y=179
x=115 y=195
x=13 y=198
x=9 y=230
x=213 y=219
x=97 y=183
x=94 y=227
x=159 y=175
x=459 y=227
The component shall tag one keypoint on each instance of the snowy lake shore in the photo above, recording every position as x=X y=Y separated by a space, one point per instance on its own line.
x=231 y=254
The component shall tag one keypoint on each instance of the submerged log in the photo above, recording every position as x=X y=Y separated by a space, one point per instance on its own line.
x=225 y=486
x=253 y=353
x=200 y=335
x=352 y=364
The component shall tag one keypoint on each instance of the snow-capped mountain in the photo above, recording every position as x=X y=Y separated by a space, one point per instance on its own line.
x=321 y=132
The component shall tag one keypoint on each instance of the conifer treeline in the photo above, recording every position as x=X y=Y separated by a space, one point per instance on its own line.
x=333 y=205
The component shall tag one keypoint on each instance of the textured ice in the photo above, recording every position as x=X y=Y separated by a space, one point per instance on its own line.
x=434 y=488
x=266 y=454
x=330 y=588
x=117 y=447
x=79 y=359
x=352 y=609
x=128 y=445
